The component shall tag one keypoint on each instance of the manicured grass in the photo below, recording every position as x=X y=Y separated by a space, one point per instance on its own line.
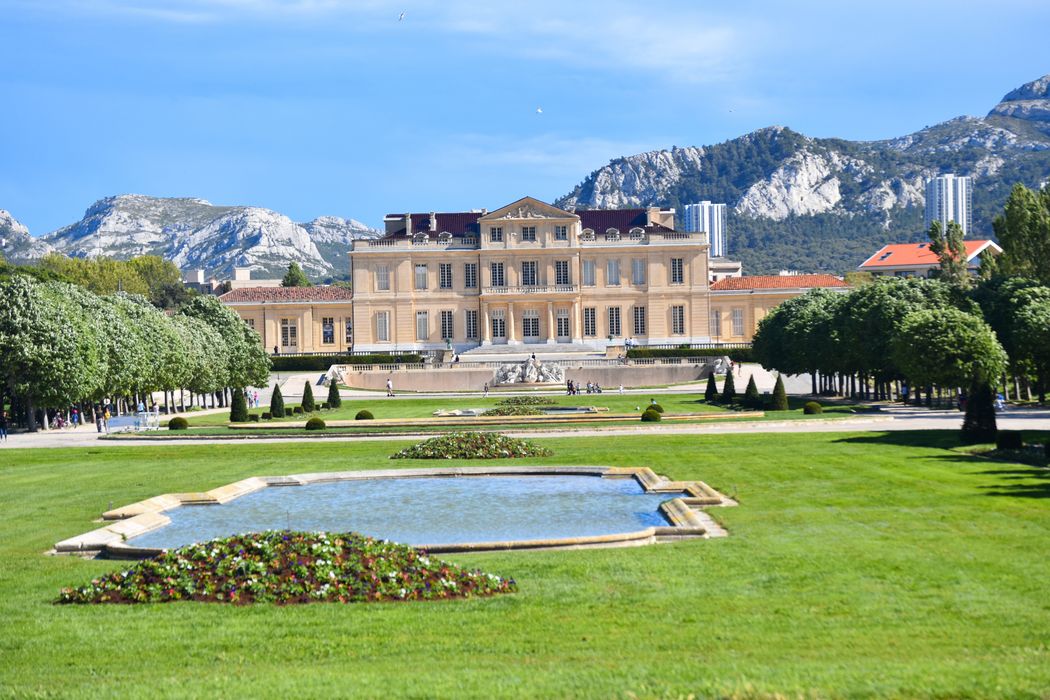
x=857 y=565
x=405 y=406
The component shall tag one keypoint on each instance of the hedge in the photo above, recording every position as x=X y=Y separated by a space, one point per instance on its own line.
x=295 y=363
x=734 y=354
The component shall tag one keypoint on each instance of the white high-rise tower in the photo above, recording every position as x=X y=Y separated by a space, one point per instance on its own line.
x=711 y=219
x=948 y=198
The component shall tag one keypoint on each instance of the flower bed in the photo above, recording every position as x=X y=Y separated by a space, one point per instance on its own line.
x=526 y=401
x=288 y=568
x=515 y=410
x=472 y=445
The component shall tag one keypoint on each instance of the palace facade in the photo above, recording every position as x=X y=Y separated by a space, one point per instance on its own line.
x=530 y=273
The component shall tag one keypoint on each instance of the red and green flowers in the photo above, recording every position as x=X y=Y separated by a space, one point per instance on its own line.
x=472 y=445
x=285 y=567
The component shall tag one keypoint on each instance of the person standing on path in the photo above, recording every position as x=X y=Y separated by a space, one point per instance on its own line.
x=3 y=425
x=389 y=387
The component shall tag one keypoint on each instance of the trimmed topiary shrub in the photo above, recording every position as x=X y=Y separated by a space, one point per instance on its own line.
x=650 y=415
x=728 y=389
x=1009 y=440
x=297 y=410
x=711 y=393
x=656 y=407
x=812 y=408
x=274 y=570
x=253 y=417
x=472 y=445
x=267 y=415
x=364 y=414
x=752 y=399
x=308 y=404
x=277 y=402
x=780 y=397
x=238 y=407
x=315 y=423
x=334 y=399
x=178 y=423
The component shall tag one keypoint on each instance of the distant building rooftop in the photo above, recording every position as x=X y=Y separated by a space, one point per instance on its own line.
x=776 y=282
x=247 y=295
x=919 y=254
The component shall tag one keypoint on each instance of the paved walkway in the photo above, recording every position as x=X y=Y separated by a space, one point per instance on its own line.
x=891 y=419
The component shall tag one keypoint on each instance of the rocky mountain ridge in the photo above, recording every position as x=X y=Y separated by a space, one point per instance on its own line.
x=15 y=242
x=824 y=204
x=194 y=233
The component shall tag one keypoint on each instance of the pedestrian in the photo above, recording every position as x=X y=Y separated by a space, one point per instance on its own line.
x=75 y=418
x=255 y=395
x=621 y=390
x=3 y=425
x=486 y=391
x=105 y=420
x=389 y=387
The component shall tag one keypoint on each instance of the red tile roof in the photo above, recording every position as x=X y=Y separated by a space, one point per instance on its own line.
x=600 y=220
x=286 y=294
x=777 y=282
x=898 y=254
x=466 y=223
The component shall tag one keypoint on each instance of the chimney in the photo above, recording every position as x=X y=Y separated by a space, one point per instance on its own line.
x=242 y=274
x=195 y=276
x=433 y=222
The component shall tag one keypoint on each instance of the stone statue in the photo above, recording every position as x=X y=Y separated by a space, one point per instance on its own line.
x=531 y=371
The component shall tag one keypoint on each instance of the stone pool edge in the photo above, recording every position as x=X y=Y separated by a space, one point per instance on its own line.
x=686 y=514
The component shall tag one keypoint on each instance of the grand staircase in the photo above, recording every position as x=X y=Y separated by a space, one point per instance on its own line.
x=543 y=352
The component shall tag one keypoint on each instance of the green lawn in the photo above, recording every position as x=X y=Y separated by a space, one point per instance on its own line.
x=857 y=565
x=405 y=406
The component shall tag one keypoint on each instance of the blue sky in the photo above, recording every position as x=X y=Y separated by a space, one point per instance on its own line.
x=315 y=107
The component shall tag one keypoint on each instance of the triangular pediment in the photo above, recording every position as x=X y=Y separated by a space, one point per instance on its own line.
x=528 y=208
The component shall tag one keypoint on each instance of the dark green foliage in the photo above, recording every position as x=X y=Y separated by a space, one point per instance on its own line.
x=297 y=410
x=334 y=399
x=295 y=277
x=711 y=392
x=324 y=406
x=266 y=415
x=656 y=407
x=472 y=445
x=947 y=244
x=306 y=363
x=1009 y=440
x=315 y=423
x=178 y=423
x=728 y=389
x=308 y=398
x=734 y=354
x=277 y=402
x=812 y=408
x=651 y=416
x=780 y=397
x=752 y=399
x=253 y=417
x=364 y=414
x=1023 y=230
x=979 y=424
x=238 y=407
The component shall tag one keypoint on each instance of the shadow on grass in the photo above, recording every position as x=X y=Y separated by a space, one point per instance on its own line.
x=941 y=439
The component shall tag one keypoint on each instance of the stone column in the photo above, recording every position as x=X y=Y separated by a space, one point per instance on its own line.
x=577 y=322
x=486 y=325
x=552 y=334
x=512 y=331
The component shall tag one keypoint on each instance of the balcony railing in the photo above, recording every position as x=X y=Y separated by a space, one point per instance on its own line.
x=533 y=289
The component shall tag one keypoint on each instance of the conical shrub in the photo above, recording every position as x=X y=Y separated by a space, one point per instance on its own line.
x=308 y=399
x=711 y=394
x=238 y=407
x=277 y=402
x=729 y=389
x=334 y=399
x=780 y=397
x=751 y=396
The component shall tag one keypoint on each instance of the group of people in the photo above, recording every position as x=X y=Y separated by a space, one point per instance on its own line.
x=572 y=388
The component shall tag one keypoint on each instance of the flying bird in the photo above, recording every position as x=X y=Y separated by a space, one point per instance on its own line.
x=539 y=110
x=401 y=17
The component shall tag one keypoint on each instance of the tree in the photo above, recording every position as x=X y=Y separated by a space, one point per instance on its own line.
x=780 y=397
x=248 y=363
x=1023 y=230
x=752 y=399
x=238 y=407
x=163 y=280
x=728 y=389
x=947 y=244
x=334 y=399
x=1033 y=334
x=295 y=277
x=308 y=398
x=711 y=393
x=277 y=402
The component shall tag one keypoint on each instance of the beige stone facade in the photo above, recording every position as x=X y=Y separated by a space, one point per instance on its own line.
x=530 y=273
x=296 y=319
x=738 y=304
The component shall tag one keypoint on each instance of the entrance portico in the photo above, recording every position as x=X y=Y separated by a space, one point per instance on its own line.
x=530 y=321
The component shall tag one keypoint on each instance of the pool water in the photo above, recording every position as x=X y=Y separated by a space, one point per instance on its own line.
x=428 y=510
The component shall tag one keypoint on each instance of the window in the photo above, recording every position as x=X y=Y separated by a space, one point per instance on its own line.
x=639 y=320
x=638 y=271
x=588 y=273
x=563 y=323
x=349 y=328
x=445 y=275
x=677 y=271
x=528 y=233
x=496 y=234
x=614 y=320
x=561 y=272
x=496 y=270
x=382 y=278
x=530 y=324
x=470 y=275
x=529 y=277
x=383 y=326
x=561 y=233
x=327 y=330
x=738 y=321
x=422 y=325
x=421 y=276
x=590 y=326
x=446 y=325
x=678 y=320
x=289 y=333
x=716 y=323
x=251 y=323
x=472 y=324
x=499 y=324
x=612 y=273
